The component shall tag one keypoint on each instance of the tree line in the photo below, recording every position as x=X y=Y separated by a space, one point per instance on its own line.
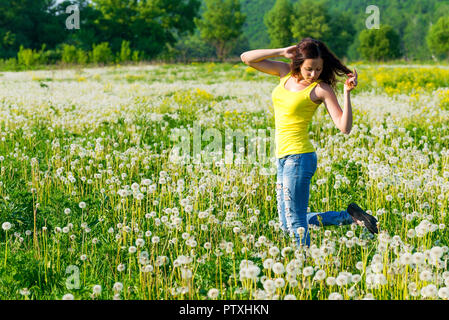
x=35 y=31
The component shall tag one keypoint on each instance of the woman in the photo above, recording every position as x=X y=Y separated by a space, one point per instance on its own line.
x=305 y=83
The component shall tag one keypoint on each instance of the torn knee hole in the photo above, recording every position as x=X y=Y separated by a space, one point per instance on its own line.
x=286 y=194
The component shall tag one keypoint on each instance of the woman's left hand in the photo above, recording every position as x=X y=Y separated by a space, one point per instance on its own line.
x=351 y=82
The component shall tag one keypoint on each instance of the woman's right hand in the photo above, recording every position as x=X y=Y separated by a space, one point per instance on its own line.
x=290 y=52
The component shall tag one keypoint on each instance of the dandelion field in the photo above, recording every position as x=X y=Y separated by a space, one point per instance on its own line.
x=91 y=207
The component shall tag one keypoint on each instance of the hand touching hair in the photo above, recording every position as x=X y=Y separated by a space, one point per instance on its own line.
x=309 y=48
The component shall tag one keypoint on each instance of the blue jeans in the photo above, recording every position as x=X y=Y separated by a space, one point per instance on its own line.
x=294 y=173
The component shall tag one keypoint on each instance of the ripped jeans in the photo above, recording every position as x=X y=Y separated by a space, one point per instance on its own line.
x=294 y=173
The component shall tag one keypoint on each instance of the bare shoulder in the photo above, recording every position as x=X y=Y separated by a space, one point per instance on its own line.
x=324 y=86
x=323 y=90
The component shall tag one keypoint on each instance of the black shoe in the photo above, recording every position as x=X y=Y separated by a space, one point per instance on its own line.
x=359 y=214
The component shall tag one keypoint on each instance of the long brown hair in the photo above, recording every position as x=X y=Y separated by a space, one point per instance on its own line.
x=309 y=48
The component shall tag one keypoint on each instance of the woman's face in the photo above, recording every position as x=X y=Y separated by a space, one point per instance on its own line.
x=311 y=69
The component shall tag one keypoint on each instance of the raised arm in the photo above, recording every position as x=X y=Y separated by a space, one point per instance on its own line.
x=258 y=59
x=341 y=118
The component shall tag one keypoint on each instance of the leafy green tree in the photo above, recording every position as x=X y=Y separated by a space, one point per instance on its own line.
x=82 y=56
x=69 y=53
x=379 y=44
x=27 y=57
x=278 y=23
x=90 y=31
x=414 y=39
x=254 y=27
x=149 y=25
x=221 y=25
x=30 y=23
x=101 y=53
x=409 y=18
x=193 y=46
x=125 y=52
x=313 y=19
x=310 y=19
x=438 y=37
x=341 y=36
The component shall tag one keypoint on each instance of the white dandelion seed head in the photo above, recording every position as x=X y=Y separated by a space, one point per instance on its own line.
x=320 y=275
x=144 y=254
x=24 y=292
x=278 y=268
x=406 y=258
x=246 y=264
x=436 y=252
x=330 y=281
x=425 y=275
x=356 y=278
x=140 y=242
x=443 y=293
x=377 y=267
x=335 y=296
x=269 y=286
x=207 y=245
x=118 y=286
x=418 y=258
x=252 y=272
x=213 y=293
x=155 y=239
x=445 y=275
x=380 y=279
x=260 y=295
x=307 y=271
x=368 y=296
x=279 y=282
x=429 y=291
x=377 y=258
x=273 y=251
x=6 y=226
x=148 y=268
x=290 y=268
x=268 y=263
x=186 y=273
x=68 y=296
x=96 y=289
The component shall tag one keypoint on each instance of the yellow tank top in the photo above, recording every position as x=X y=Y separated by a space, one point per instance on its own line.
x=293 y=111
